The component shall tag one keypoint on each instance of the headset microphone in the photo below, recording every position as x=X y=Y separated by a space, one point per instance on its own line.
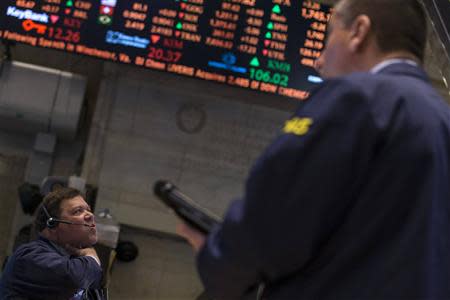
x=53 y=222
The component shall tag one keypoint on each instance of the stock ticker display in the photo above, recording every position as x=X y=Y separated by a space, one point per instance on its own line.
x=263 y=45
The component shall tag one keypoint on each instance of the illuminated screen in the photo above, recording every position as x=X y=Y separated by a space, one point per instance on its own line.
x=265 y=45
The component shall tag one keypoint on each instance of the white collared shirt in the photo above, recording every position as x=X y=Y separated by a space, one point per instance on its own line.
x=95 y=258
x=392 y=61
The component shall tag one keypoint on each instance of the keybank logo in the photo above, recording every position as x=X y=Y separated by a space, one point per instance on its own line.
x=20 y=14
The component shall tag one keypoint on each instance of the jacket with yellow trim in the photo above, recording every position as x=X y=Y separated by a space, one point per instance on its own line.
x=351 y=201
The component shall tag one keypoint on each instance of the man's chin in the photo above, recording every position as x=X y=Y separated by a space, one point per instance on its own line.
x=90 y=241
x=93 y=240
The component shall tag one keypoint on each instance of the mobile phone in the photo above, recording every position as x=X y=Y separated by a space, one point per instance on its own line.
x=198 y=217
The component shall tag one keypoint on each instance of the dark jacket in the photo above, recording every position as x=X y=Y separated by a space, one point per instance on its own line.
x=351 y=201
x=42 y=270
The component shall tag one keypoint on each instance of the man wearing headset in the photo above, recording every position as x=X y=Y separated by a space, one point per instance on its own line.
x=60 y=263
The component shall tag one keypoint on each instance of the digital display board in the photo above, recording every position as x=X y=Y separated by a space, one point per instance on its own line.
x=263 y=45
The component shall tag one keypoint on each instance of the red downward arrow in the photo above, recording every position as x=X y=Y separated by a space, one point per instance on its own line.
x=266 y=43
x=265 y=52
x=155 y=38
x=54 y=18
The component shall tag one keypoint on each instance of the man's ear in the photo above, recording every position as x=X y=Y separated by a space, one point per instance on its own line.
x=360 y=32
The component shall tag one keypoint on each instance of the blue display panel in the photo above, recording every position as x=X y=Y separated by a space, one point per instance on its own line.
x=265 y=45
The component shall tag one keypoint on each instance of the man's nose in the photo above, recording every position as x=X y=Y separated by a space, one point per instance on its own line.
x=89 y=216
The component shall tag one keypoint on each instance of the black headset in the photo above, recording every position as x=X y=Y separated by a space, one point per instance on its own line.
x=51 y=221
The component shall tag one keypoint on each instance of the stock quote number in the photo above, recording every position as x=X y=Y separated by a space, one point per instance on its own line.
x=164 y=55
x=66 y=35
x=269 y=77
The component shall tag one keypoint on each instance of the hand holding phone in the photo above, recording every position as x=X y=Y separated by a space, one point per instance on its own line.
x=193 y=214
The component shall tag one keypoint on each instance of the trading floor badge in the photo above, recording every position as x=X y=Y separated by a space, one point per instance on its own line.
x=298 y=126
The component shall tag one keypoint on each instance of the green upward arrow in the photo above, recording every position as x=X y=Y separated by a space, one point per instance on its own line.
x=270 y=26
x=254 y=62
x=276 y=9
x=179 y=25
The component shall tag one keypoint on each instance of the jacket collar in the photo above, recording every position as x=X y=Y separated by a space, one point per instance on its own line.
x=55 y=246
x=405 y=69
x=380 y=66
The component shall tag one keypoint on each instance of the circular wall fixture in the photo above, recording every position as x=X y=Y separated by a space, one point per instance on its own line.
x=191 y=118
x=126 y=251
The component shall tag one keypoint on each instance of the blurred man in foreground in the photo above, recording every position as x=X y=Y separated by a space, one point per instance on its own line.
x=352 y=200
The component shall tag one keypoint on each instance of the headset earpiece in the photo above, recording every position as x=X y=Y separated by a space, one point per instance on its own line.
x=53 y=222
x=50 y=223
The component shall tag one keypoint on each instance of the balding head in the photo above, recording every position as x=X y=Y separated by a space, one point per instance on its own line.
x=398 y=25
x=362 y=33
